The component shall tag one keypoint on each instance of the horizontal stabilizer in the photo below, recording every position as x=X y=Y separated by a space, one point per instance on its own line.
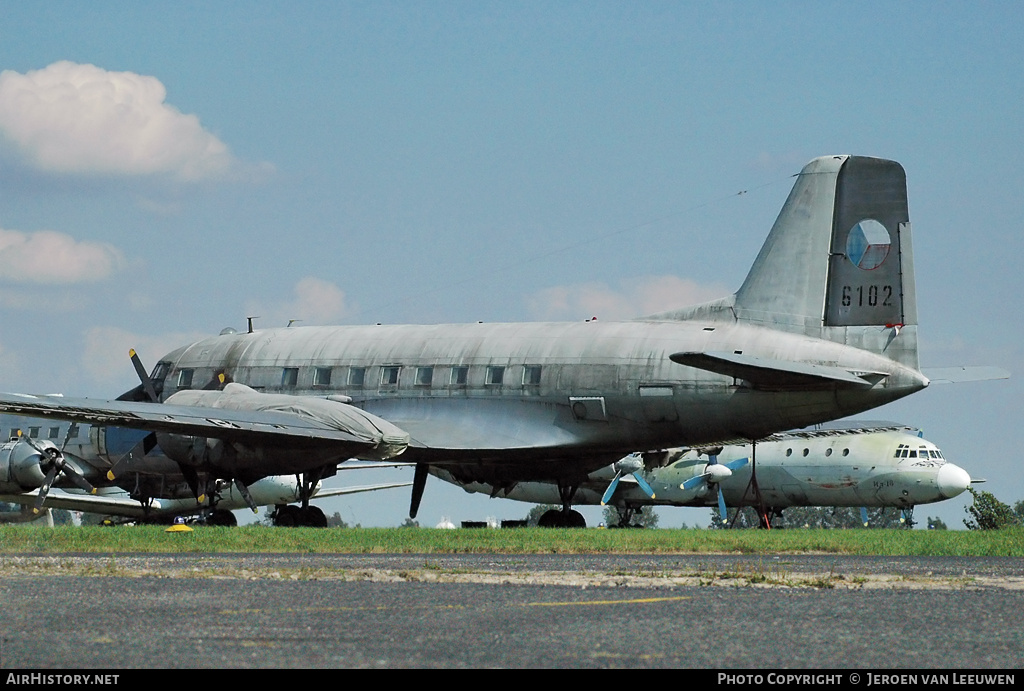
x=776 y=374
x=956 y=375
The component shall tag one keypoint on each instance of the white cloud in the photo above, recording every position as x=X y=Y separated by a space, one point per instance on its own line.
x=316 y=302
x=50 y=257
x=105 y=355
x=74 y=118
x=635 y=297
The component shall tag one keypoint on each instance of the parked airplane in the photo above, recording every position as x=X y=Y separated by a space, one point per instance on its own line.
x=149 y=489
x=824 y=326
x=865 y=465
x=279 y=491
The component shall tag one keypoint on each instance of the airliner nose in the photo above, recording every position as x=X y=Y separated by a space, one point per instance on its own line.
x=952 y=480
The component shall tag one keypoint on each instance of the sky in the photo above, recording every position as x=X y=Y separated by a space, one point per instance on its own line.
x=168 y=169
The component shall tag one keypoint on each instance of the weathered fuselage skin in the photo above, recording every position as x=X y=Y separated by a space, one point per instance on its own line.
x=604 y=388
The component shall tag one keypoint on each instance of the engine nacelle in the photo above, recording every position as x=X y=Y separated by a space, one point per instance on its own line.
x=22 y=467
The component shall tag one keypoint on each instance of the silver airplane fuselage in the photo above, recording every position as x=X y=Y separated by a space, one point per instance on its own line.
x=538 y=393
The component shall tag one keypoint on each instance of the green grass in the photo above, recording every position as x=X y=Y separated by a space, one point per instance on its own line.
x=22 y=539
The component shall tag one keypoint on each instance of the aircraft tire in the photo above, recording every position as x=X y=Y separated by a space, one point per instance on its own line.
x=550 y=519
x=288 y=517
x=313 y=517
x=222 y=517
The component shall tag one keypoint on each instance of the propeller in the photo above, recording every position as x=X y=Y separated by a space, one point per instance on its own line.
x=54 y=457
x=632 y=464
x=714 y=473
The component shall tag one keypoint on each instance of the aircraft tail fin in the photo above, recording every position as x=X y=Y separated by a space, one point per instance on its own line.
x=838 y=263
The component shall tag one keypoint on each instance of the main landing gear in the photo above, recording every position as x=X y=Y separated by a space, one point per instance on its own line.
x=291 y=516
x=567 y=517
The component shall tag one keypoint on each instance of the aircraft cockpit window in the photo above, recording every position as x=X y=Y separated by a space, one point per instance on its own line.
x=322 y=377
x=289 y=377
x=495 y=376
x=424 y=376
x=185 y=378
x=460 y=376
x=531 y=375
x=913 y=453
x=158 y=376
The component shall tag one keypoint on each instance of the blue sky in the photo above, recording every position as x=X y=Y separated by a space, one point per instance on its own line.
x=343 y=162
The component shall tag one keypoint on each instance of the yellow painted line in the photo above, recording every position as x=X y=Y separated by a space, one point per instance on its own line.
x=607 y=602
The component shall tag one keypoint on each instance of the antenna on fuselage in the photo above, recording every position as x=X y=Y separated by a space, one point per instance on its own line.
x=249 y=321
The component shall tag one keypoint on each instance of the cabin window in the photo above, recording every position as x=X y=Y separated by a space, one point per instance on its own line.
x=495 y=376
x=789 y=452
x=54 y=432
x=356 y=377
x=73 y=431
x=828 y=452
x=846 y=452
x=424 y=376
x=531 y=375
x=322 y=377
x=389 y=376
x=15 y=433
x=460 y=375
x=185 y=378
x=289 y=377
x=33 y=432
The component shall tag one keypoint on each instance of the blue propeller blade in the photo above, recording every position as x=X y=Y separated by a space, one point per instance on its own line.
x=864 y=516
x=721 y=504
x=643 y=485
x=611 y=489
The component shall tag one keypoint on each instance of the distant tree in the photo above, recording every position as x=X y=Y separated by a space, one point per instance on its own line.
x=647 y=517
x=1018 y=509
x=409 y=523
x=335 y=521
x=936 y=524
x=988 y=513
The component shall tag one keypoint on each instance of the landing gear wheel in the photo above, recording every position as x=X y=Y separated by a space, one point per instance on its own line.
x=222 y=517
x=550 y=519
x=288 y=517
x=313 y=517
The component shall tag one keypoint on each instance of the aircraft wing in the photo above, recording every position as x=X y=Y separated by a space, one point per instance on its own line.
x=340 y=491
x=243 y=426
x=90 y=503
x=775 y=374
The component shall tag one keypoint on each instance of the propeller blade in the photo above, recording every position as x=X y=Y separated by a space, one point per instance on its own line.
x=738 y=463
x=864 y=516
x=147 y=383
x=611 y=488
x=643 y=484
x=721 y=504
x=244 y=491
x=45 y=488
x=693 y=481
